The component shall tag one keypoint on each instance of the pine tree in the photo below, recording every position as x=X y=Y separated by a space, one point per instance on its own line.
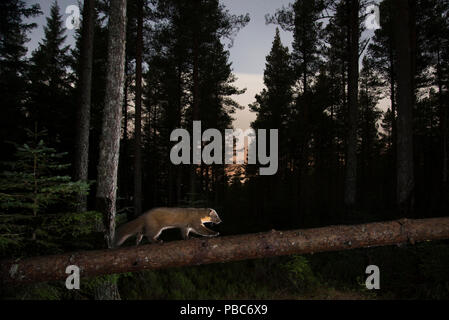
x=106 y=193
x=434 y=27
x=50 y=102
x=171 y=86
x=13 y=69
x=138 y=113
x=110 y=136
x=369 y=146
x=98 y=83
x=273 y=103
x=382 y=53
x=274 y=111
x=303 y=19
x=353 y=90
x=84 y=97
x=335 y=52
x=306 y=34
x=206 y=21
x=406 y=100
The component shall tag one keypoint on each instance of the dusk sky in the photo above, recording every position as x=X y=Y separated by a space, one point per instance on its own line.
x=251 y=45
x=248 y=53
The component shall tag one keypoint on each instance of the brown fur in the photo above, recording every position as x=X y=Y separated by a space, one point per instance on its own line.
x=153 y=222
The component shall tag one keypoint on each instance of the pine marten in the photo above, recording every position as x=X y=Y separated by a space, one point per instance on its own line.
x=153 y=222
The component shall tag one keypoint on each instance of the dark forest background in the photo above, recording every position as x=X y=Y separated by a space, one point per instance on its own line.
x=342 y=159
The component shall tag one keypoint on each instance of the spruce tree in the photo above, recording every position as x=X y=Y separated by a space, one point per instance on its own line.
x=51 y=104
x=273 y=108
x=13 y=69
x=34 y=191
x=273 y=103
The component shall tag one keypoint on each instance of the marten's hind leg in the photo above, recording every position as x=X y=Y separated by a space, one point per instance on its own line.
x=185 y=233
x=139 y=238
x=152 y=234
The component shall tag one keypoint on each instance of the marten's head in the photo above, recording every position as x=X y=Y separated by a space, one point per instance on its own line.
x=212 y=217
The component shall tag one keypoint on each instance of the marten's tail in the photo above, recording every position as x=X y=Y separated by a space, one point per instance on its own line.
x=127 y=230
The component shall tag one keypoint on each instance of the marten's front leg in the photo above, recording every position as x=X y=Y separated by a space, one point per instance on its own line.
x=203 y=231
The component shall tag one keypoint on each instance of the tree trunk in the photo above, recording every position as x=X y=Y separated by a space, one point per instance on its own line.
x=110 y=134
x=443 y=131
x=124 y=167
x=353 y=76
x=393 y=133
x=405 y=176
x=392 y=97
x=83 y=114
x=196 y=105
x=179 y=170
x=171 y=193
x=138 y=119
x=223 y=249
x=443 y=118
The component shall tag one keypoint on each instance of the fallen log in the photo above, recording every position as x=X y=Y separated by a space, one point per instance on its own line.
x=222 y=249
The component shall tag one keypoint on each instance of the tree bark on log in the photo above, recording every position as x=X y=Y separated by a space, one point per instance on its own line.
x=222 y=249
